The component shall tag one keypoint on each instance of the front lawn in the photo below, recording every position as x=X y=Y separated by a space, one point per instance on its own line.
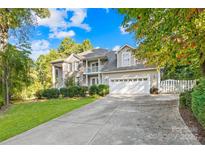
x=22 y=117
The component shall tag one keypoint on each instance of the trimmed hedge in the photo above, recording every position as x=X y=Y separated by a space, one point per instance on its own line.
x=64 y=92
x=93 y=90
x=185 y=99
x=74 y=91
x=51 y=93
x=198 y=101
x=101 y=90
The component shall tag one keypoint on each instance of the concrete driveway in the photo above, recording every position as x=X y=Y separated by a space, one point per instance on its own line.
x=115 y=120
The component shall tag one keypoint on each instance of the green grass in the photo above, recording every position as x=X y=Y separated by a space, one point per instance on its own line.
x=22 y=117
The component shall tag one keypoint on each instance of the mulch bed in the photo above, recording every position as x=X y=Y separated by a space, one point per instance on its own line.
x=193 y=124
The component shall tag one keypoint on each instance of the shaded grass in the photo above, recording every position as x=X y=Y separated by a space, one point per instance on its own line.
x=21 y=117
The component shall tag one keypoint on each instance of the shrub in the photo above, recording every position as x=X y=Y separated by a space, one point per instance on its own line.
x=64 y=92
x=51 y=93
x=103 y=90
x=154 y=90
x=39 y=94
x=185 y=99
x=73 y=91
x=82 y=91
x=93 y=90
x=198 y=101
x=70 y=82
x=1 y=102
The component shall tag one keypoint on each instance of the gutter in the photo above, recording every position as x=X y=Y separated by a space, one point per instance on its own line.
x=134 y=70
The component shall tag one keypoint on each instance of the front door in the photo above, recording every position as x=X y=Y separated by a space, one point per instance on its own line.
x=93 y=80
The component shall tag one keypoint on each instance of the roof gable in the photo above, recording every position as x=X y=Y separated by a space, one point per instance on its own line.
x=124 y=46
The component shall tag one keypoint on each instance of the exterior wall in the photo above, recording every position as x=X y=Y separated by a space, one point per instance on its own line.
x=119 y=57
x=153 y=74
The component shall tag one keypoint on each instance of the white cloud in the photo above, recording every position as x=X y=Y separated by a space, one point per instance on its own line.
x=56 y=19
x=78 y=18
x=62 y=34
x=39 y=47
x=123 y=30
x=115 y=48
x=97 y=47
x=59 y=24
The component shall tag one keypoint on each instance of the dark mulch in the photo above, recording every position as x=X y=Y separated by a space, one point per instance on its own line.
x=193 y=124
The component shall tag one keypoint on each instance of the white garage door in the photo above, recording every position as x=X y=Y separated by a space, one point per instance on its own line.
x=130 y=86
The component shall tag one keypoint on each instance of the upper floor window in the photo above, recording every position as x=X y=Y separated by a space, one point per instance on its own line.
x=126 y=58
x=56 y=73
x=76 y=66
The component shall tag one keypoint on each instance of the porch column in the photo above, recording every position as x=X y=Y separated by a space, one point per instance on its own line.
x=159 y=79
x=99 y=67
x=63 y=73
x=86 y=70
x=86 y=80
x=86 y=65
x=53 y=76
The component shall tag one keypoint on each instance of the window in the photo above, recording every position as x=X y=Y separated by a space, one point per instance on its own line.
x=76 y=66
x=56 y=73
x=126 y=59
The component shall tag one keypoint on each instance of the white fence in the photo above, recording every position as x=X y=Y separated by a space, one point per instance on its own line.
x=176 y=86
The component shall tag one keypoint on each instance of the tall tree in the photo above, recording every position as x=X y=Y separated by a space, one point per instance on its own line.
x=69 y=46
x=168 y=36
x=15 y=22
x=16 y=64
x=44 y=69
x=86 y=45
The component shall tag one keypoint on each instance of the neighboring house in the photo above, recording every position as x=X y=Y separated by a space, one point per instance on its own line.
x=120 y=70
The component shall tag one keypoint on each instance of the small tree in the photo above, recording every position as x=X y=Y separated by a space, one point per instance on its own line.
x=70 y=81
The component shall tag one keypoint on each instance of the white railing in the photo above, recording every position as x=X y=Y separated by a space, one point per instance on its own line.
x=176 y=86
x=94 y=69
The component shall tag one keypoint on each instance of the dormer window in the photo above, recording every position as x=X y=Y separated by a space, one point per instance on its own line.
x=126 y=58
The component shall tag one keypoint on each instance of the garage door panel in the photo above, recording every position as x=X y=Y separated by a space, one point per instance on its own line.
x=129 y=86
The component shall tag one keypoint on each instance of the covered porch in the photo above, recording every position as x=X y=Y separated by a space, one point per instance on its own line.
x=58 y=74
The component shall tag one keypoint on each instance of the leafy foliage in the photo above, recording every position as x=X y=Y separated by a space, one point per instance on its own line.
x=17 y=64
x=198 y=101
x=171 y=36
x=18 y=23
x=70 y=81
x=51 y=93
x=185 y=99
x=93 y=90
x=44 y=69
x=1 y=101
x=103 y=90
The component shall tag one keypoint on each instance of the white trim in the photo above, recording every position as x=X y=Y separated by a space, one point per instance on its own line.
x=96 y=80
x=123 y=47
x=134 y=70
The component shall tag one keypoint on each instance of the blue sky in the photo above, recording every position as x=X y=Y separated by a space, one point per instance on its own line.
x=101 y=26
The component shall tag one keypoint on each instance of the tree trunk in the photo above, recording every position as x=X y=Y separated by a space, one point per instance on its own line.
x=203 y=69
x=5 y=82
x=3 y=43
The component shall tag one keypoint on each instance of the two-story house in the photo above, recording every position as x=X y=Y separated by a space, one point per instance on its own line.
x=119 y=69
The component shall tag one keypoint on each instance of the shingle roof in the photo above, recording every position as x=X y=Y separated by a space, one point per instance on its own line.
x=112 y=64
x=94 y=53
